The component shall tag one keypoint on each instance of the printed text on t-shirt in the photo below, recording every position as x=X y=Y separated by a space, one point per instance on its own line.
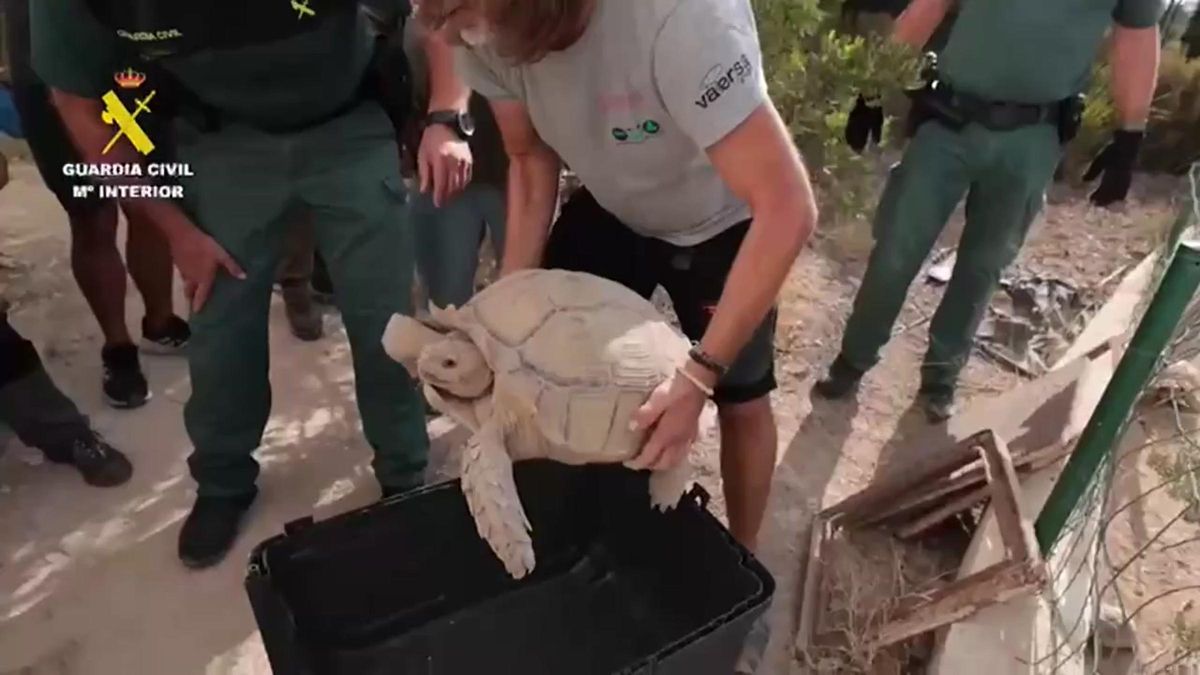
x=720 y=78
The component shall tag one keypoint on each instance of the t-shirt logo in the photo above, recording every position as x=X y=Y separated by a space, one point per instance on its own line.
x=637 y=133
x=720 y=78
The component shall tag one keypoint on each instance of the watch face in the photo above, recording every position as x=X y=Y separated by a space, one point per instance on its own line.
x=466 y=123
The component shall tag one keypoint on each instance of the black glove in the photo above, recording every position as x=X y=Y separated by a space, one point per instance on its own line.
x=1116 y=162
x=865 y=121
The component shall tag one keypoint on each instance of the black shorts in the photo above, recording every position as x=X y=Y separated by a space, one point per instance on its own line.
x=587 y=238
x=50 y=145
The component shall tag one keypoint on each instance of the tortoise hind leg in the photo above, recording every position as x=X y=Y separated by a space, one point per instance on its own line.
x=667 y=486
x=491 y=494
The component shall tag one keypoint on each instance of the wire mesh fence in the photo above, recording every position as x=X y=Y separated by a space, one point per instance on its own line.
x=1097 y=558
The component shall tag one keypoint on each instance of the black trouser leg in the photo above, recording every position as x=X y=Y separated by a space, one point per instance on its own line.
x=30 y=403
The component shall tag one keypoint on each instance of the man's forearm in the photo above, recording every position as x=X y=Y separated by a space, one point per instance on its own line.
x=447 y=91
x=1135 y=57
x=532 y=198
x=918 y=21
x=780 y=228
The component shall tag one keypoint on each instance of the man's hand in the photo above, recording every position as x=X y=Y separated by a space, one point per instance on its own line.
x=443 y=163
x=1134 y=57
x=199 y=259
x=1116 y=162
x=672 y=414
x=443 y=159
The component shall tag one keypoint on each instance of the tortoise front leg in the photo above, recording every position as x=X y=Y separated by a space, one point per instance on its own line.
x=491 y=494
x=667 y=486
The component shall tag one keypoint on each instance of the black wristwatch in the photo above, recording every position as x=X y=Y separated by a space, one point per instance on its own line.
x=460 y=123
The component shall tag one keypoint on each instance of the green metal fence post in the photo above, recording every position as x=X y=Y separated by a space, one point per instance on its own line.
x=1113 y=411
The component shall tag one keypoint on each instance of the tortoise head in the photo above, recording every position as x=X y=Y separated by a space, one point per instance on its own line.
x=405 y=338
x=455 y=365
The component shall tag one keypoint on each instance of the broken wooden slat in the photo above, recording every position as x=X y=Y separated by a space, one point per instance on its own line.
x=813 y=580
x=1036 y=461
x=955 y=506
x=934 y=466
x=1015 y=529
x=961 y=599
x=969 y=476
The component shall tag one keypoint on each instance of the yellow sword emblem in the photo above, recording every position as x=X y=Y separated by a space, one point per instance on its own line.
x=116 y=113
x=301 y=6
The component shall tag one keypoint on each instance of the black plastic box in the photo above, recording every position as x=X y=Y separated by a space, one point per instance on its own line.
x=407 y=586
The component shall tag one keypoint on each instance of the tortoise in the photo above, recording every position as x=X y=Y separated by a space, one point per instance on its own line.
x=543 y=363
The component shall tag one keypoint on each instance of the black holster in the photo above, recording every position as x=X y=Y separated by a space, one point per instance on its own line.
x=931 y=103
x=1070 y=118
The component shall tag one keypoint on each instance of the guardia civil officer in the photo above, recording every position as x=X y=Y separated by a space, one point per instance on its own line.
x=279 y=108
x=992 y=125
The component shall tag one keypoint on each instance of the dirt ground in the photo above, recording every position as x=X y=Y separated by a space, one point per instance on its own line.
x=89 y=582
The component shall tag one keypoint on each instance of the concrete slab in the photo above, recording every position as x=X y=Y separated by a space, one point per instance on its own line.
x=1047 y=632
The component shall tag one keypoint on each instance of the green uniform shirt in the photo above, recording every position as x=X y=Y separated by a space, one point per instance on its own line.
x=287 y=82
x=1033 y=51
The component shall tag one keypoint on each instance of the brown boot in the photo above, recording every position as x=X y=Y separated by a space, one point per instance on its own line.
x=303 y=316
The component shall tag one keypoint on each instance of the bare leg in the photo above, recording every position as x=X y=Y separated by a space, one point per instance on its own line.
x=148 y=257
x=748 y=446
x=99 y=270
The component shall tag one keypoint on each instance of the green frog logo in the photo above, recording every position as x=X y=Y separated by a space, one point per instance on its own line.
x=638 y=133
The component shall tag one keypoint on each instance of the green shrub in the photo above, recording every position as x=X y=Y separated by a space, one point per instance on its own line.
x=815 y=73
x=1173 y=133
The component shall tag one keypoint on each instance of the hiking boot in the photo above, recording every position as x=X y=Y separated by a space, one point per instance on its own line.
x=841 y=380
x=100 y=464
x=303 y=317
x=170 y=341
x=938 y=403
x=124 y=384
x=210 y=529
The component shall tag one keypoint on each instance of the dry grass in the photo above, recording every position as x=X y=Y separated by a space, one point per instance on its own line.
x=868 y=576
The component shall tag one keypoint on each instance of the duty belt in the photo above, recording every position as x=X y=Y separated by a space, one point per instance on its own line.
x=998 y=115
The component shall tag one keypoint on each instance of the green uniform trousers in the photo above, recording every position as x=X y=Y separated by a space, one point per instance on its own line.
x=1004 y=175
x=246 y=189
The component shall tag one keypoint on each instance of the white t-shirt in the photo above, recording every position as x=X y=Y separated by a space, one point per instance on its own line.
x=632 y=105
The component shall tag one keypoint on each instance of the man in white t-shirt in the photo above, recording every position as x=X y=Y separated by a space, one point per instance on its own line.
x=690 y=181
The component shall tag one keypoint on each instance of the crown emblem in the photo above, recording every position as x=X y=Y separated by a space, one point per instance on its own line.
x=129 y=78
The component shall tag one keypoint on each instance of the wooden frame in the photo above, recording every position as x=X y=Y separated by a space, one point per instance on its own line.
x=952 y=476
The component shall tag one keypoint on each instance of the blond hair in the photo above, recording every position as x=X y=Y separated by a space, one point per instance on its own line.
x=525 y=30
